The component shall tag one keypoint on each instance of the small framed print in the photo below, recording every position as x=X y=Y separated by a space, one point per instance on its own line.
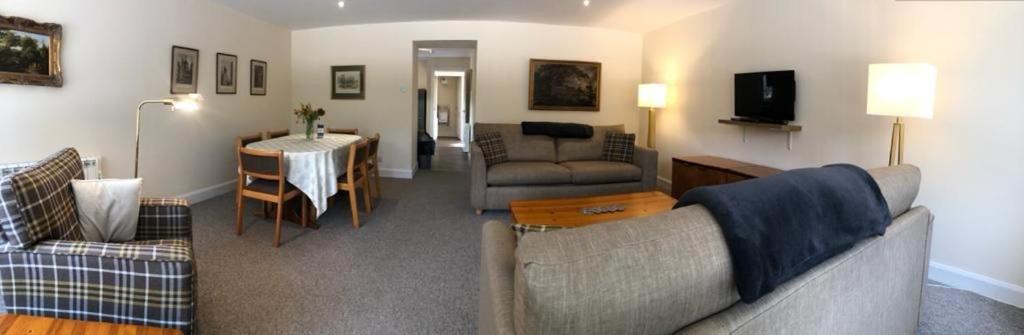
x=227 y=73
x=184 y=70
x=348 y=82
x=257 y=77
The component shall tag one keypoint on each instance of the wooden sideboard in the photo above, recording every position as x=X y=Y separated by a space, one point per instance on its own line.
x=694 y=171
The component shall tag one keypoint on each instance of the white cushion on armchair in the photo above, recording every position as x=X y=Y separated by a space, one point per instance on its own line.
x=108 y=209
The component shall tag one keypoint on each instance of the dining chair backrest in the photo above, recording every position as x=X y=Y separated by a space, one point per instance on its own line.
x=349 y=131
x=357 y=153
x=243 y=141
x=275 y=134
x=374 y=144
x=262 y=164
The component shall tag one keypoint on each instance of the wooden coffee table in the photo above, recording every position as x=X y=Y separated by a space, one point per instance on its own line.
x=24 y=324
x=568 y=213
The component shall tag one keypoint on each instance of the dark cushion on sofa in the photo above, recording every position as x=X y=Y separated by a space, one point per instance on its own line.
x=521 y=147
x=602 y=172
x=527 y=173
x=586 y=149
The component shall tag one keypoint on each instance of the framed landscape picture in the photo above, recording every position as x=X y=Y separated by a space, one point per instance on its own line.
x=30 y=52
x=348 y=82
x=565 y=85
x=227 y=74
x=184 y=70
x=257 y=77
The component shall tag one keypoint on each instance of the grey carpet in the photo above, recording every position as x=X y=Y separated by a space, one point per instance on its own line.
x=949 y=310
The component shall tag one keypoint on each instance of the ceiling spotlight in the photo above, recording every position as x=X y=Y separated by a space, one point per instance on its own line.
x=586 y=3
x=341 y=4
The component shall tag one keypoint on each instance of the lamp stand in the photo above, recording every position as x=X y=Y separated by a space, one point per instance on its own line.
x=896 y=146
x=651 y=128
x=138 y=123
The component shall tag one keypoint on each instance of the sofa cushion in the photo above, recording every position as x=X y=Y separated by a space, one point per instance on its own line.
x=10 y=215
x=602 y=172
x=527 y=173
x=43 y=193
x=539 y=148
x=586 y=149
x=618 y=147
x=493 y=147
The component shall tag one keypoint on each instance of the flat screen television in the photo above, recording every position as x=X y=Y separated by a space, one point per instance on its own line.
x=766 y=96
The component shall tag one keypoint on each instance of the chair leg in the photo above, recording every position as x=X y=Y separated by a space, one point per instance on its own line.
x=240 y=205
x=355 y=208
x=366 y=196
x=277 y=227
x=376 y=182
x=305 y=211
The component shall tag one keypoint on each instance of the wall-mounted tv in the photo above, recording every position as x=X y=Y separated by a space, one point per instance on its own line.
x=766 y=96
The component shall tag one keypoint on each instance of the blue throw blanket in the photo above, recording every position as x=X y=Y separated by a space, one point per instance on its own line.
x=780 y=226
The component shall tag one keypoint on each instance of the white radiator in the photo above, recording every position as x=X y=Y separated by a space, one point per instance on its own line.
x=90 y=165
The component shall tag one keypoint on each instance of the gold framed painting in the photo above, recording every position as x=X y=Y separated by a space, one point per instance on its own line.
x=30 y=52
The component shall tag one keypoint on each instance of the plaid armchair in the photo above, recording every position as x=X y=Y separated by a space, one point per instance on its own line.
x=46 y=268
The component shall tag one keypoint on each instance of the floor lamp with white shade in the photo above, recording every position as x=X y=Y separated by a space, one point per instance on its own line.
x=901 y=90
x=651 y=96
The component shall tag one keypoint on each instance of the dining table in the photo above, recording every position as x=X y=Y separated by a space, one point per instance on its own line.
x=313 y=165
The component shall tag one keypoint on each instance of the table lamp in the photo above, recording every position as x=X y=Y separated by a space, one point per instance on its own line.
x=187 y=103
x=651 y=96
x=901 y=90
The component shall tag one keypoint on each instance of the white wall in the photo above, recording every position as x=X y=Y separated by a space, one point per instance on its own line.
x=971 y=154
x=117 y=53
x=448 y=95
x=503 y=53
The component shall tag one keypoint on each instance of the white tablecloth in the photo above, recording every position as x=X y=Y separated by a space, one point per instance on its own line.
x=313 y=166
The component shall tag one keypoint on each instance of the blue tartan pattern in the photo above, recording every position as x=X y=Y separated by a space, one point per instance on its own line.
x=150 y=281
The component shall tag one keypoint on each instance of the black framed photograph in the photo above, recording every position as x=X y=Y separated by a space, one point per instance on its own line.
x=30 y=52
x=348 y=82
x=184 y=70
x=565 y=85
x=227 y=73
x=257 y=77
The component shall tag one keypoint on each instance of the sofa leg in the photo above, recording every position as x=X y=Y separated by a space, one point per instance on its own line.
x=479 y=212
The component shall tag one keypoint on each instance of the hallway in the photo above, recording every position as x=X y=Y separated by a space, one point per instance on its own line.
x=449 y=156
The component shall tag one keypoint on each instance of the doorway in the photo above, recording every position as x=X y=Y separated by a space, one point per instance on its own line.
x=445 y=103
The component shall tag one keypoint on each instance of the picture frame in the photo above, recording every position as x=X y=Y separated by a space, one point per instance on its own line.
x=184 y=70
x=40 y=66
x=257 y=77
x=227 y=74
x=348 y=82
x=564 y=85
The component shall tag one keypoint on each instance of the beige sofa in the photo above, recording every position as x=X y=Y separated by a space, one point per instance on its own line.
x=542 y=167
x=671 y=273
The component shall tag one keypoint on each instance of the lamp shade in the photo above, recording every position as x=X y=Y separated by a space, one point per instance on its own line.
x=901 y=89
x=652 y=95
x=188 y=103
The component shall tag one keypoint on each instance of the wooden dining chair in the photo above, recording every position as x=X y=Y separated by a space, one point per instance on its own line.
x=242 y=142
x=349 y=131
x=355 y=178
x=275 y=134
x=372 y=164
x=266 y=168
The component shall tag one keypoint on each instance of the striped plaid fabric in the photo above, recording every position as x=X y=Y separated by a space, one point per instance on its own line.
x=619 y=147
x=164 y=219
x=149 y=283
x=493 y=147
x=10 y=215
x=43 y=193
x=521 y=229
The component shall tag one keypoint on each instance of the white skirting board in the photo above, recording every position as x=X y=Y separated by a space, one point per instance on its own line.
x=990 y=287
x=208 y=193
x=396 y=173
x=665 y=184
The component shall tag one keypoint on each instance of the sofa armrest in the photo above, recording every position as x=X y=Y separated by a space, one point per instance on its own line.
x=148 y=283
x=477 y=177
x=162 y=218
x=647 y=159
x=497 y=271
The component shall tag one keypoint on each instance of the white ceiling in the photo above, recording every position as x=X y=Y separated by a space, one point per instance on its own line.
x=446 y=53
x=628 y=15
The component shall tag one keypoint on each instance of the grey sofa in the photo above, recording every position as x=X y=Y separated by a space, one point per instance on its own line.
x=542 y=167
x=671 y=273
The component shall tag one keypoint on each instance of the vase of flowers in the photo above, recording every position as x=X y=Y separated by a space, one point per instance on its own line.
x=306 y=114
